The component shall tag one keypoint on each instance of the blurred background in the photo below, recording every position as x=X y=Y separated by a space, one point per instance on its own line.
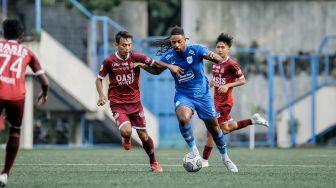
x=287 y=51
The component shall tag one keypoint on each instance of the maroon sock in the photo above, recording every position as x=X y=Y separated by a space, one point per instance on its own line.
x=206 y=152
x=11 y=151
x=244 y=123
x=149 y=148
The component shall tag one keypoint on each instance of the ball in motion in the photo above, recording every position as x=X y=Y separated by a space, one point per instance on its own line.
x=192 y=163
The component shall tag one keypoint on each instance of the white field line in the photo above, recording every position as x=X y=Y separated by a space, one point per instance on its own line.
x=177 y=165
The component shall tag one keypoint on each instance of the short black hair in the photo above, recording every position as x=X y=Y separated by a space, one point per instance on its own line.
x=226 y=38
x=12 y=29
x=177 y=31
x=122 y=34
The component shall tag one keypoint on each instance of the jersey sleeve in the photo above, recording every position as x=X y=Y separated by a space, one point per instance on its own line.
x=103 y=71
x=236 y=70
x=202 y=51
x=35 y=65
x=165 y=58
x=140 y=58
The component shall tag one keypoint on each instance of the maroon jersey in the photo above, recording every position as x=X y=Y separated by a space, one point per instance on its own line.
x=14 y=59
x=223 y=73
x=124 y=79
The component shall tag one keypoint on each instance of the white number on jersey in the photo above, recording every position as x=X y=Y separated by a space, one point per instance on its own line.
x=15 y=67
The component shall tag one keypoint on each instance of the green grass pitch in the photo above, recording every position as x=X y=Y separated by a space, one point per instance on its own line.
x=115 y=167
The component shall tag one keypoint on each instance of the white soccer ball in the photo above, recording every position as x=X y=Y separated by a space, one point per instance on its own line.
x=192 y=163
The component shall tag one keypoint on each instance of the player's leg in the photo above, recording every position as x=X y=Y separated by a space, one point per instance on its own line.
x=14 y=111
x=218 y=137
x=209 y=144
x=222 y=120
x=124 y=125
x=138 y=122
x=148 y=145
x=184 y=111
x=206 y=111
x=184 y=115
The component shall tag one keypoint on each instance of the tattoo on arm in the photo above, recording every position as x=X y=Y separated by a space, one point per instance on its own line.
x=213 y=57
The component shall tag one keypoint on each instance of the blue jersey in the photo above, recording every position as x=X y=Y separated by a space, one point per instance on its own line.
x=194 y=81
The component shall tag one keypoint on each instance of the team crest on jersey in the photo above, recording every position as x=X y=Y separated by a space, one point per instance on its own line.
x=222 y=70
x=190 y=59
x=192 y=52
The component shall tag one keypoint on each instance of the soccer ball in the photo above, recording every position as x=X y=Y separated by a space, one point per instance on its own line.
x=192 y=163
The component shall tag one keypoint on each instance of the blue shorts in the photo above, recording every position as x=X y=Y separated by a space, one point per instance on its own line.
x=204 y=106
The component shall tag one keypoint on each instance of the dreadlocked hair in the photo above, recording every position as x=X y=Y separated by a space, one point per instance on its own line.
x=165 y=44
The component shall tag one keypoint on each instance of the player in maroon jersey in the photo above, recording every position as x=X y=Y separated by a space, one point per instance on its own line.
x=226 y=76
x=14 y=58
x=124 y=93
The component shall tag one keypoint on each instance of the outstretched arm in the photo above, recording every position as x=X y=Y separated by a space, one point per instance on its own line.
x=213 y=57
x=158 y=67
x=43 y=96
x=151 y=69
x=102 y=98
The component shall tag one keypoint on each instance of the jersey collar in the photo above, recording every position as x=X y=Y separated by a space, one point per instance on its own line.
x=13 y=41
x=227 y=58
x=120 y=58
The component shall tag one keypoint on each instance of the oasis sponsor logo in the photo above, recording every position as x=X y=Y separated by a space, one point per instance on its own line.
x=125 y=79
x=219 y=81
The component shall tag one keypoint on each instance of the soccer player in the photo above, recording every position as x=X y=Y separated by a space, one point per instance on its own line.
x=192 y=89
x=124 y=93
x=226 y=76
x=14 y=58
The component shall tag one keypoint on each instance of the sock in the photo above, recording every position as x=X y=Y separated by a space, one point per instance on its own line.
x=188 y=136
x=225 y=157
x=244 y=123
x=206 y=152
x=220 y=143
x=148 y=146
x=11 y=151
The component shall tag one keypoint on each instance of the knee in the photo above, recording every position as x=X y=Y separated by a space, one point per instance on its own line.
x=126 y=132
x=183 y=120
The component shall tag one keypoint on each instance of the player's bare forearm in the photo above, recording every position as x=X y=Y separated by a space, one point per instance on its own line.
x=99 y=86
x=43 y=96
x=173 y=68
x=102 y=98
x=237 y=83
x=215 y=58
x=153 y=70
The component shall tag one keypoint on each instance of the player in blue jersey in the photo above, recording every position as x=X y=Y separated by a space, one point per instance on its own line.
x=192 y=89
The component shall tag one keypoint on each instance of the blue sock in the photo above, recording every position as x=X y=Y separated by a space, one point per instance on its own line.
x=187 y=134
x=220 y=143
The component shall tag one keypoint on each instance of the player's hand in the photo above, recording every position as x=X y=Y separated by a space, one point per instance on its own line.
x=212 y=83
x=42 y=98
x=102 y=100
x=223 y=89
x=176 y=70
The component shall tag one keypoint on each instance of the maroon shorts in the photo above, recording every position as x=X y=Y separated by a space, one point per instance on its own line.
x=224 y=111
x=129 y=113
x=14 y=111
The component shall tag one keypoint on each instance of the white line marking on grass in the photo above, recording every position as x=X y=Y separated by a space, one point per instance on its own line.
x=282 y=165
x=178 y=165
